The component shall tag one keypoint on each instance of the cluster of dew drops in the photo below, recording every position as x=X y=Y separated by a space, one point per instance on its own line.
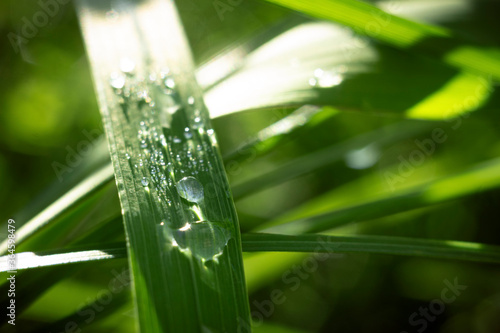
x=163 y=159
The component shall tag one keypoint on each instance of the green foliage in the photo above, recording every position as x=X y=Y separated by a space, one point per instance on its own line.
x=364 y=174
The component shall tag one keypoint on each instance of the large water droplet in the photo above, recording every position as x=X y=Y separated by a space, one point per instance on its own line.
x=190 y=189
x=117 y=80
x=127 y=65
x=205 y=240
x=169 y=83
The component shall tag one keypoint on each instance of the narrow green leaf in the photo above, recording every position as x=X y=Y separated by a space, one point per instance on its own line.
x=371 y=21
x=478 y=178
x=68 y=201
x=262 y=242
x=443 y=249
x=27 y=260
x=182 y=230
x=311 y=162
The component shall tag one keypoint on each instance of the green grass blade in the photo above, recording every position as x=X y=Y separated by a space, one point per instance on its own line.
x=311 y=162
x=443 y=249
x=68 y=201
x=28 y=260
x=478 y=178
x=332 y=69
x=181 y=226
x=262 y=242
x=270 y=137
x=369 y=20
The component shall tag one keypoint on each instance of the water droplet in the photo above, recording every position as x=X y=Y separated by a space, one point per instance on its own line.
x=210 y=131
x=144 y=181
x=326 y=79
x=169 y=83
x=144 y=144
x=127 y=65
x=117 y=80
x=313 y=82
x=187 y=133
x=177 y=140
x=127 y=156
x=190 y=100
x=205 y=240
x=190 y=189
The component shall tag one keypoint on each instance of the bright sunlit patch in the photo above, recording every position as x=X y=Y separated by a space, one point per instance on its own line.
x=465 y=245
x=463 y=93
x=31 y=260
x=186 y=227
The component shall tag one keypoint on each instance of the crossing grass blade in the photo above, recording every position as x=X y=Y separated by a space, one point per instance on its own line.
x=262 y=242
x=442 y=249
x=85 y=189
x=431 y=40
x=324 y=157
x=180 y=223
x=478 y=178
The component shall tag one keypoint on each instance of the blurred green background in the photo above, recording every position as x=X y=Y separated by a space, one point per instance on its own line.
x=47 y=104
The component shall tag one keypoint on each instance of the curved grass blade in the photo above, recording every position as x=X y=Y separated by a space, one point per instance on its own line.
x=335 y=68
x=27 y=260
x=178 y=212
x=308 y=163
x=371 y=21
x=70 y=200
x=442 y=249
x=478 y=178
x=262 y=242
x=270 y=137
x=98 y=159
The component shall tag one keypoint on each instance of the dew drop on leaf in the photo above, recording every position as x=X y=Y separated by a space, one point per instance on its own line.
x=190 y=189
x=117 y=80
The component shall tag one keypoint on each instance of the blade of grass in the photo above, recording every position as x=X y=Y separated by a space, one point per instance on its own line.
x=336 y=69
x=26 y=260
x=180 y=222
x=308 y=163
x=270 y=137
x=371 y=21
x=478 y=178
x=443 y=249
x=262 y=242
x=68 y=201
